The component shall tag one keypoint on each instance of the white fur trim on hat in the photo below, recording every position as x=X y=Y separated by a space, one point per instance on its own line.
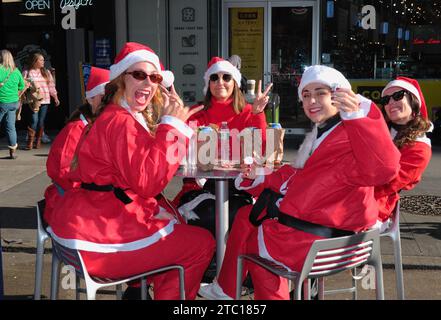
x=324 y=75
x=224 y=67
x=99 y=89
x=132 y=58
x=405 y=85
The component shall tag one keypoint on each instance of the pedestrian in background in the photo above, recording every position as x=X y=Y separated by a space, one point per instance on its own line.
x=236 y=61
x=44 y=82
x=11 y=85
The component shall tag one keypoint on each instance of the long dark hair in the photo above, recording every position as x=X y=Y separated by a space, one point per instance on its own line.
x=33 y=60
x=238 y=99
x=408 y=133
x=85 y=110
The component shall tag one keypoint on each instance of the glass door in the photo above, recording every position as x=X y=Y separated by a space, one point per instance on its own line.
x=276 y=40
x=294 y=43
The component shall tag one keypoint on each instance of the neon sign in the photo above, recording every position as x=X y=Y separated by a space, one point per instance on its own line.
x=75 y=3
x=417 y=41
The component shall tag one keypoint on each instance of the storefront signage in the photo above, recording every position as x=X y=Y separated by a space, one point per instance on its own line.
x=75 y=3
x=247 y=39
x=429 y=41
x=188 y=47
x=46 y=4
x=37 y=4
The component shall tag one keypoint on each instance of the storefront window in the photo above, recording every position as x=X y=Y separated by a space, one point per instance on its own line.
x=387 y=39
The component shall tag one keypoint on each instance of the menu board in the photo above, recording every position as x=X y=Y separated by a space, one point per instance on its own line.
x=246 y=39
x=188 y=47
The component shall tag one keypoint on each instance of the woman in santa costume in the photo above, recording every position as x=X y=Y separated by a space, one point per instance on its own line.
x=114 y=218
x=63 y=148
x=328 y=192
x=406 y=114
x=224 y=102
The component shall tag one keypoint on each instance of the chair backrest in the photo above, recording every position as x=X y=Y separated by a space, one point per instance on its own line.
x=330 y=256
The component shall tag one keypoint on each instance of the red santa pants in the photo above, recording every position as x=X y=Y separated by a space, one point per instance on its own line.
x=289 y=246
x=189 y=246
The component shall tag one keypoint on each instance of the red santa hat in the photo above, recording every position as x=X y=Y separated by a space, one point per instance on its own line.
x=324 y=75
x=217 y=65
x=98 y=78
x=413 y=87
x=132 y=53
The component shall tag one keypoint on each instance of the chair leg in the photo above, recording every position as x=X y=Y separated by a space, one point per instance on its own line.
x=354 y=284
x=91 y=290
x=321 y=288
x=144 y=288
x=77 y=287
x=298 y=290
x=239 y=278
x=398 y=266
x=55 y=275
x=119 y=293
x=182 y=283
x=39 y=265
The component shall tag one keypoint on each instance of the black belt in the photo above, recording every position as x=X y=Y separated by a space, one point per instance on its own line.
x=119 y=193
x=268 y=199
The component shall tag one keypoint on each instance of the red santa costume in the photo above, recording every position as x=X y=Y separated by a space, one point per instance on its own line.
x=218 y=112
x=414 y=157
x=330 y=185
x=114 y=218
x=63 y=148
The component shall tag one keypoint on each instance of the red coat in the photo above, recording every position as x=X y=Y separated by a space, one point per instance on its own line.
x=58 y=163
x=334 y=189
x=119 y=151
x=414 y=160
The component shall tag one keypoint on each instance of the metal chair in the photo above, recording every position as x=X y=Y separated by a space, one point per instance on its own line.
x=67 y=256
x=393 y=232
x=326 y=257
x=42 y=236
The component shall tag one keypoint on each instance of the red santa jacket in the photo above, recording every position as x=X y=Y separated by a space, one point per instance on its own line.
x=58 y=163
x=335 y=188
x=414 y=160
x=119 y=151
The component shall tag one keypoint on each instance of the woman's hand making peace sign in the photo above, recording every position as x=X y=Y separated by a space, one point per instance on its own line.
x=261 y=98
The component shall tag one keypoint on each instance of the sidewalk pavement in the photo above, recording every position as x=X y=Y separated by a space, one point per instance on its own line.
x=24 y=180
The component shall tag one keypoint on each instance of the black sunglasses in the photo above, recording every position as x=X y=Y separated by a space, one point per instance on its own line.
x=141 y=76
x=226 y=77
x=397 y=96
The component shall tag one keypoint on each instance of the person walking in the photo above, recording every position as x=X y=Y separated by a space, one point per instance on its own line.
x=45 y=84
x=11 y=85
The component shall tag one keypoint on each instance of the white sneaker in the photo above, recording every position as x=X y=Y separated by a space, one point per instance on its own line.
x=45 y=138
x=213 y=291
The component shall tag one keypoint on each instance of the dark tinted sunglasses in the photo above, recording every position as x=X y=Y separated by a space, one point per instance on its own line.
x=226 y=77
x=141 y=76
x=397 y=96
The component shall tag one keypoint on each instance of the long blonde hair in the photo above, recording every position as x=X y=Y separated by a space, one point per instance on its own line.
x=7 y=60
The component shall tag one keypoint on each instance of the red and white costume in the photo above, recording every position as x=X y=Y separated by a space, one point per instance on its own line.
x=63 y=148
x=116 y=239
x=221 y=111
x=334 y=188
x=414 y=157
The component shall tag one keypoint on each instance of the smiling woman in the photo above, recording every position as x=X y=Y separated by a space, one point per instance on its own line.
x=122 y=166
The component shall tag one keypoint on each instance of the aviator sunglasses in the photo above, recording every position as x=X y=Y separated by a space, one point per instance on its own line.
x=141 y=76
x=226 y=77
x=397 y=96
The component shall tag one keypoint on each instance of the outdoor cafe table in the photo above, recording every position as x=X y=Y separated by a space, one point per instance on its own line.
x=221 y=177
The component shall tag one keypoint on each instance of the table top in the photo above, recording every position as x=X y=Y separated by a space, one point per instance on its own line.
x=216 y=173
